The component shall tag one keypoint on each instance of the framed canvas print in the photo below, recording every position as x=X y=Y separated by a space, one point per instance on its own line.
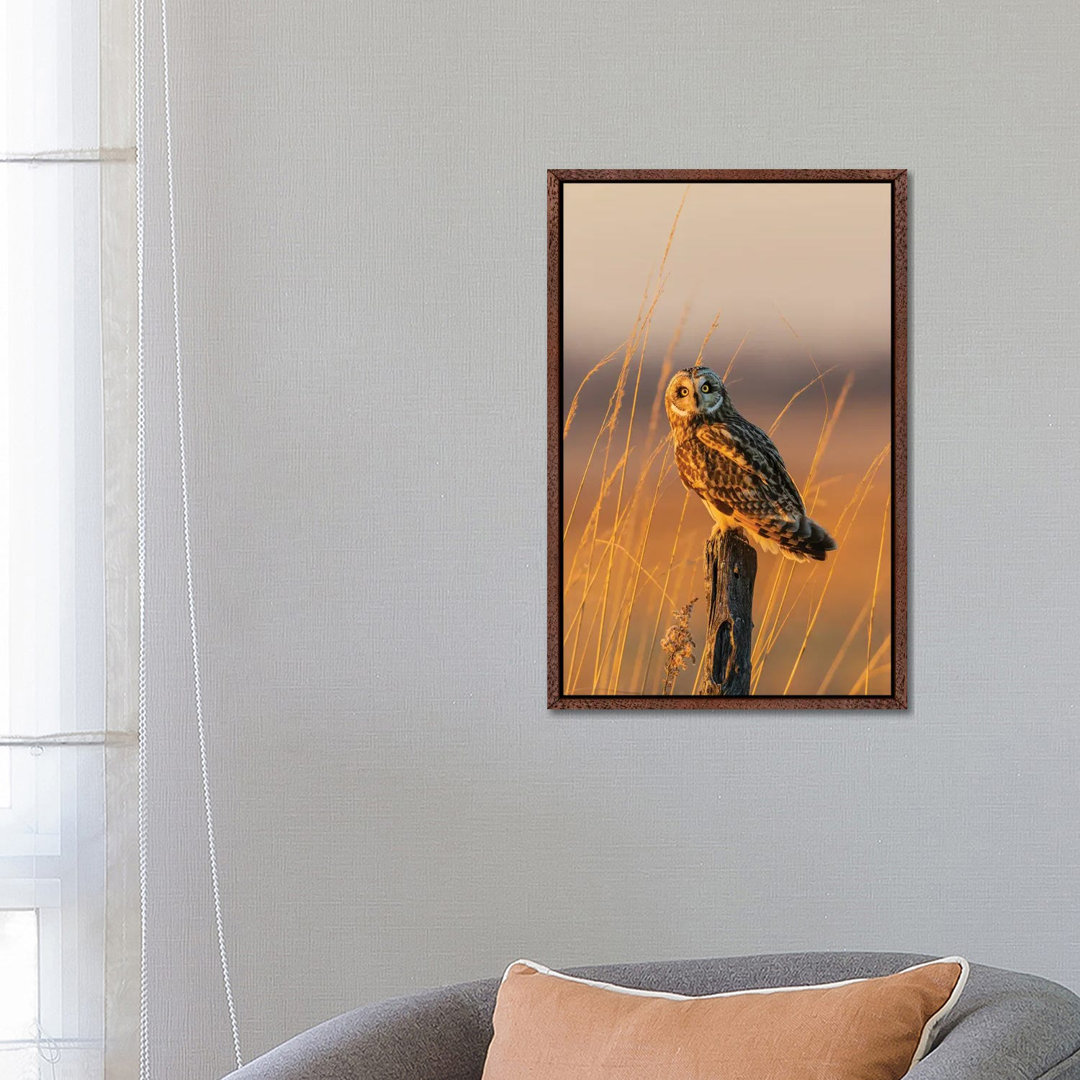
x=727 y=441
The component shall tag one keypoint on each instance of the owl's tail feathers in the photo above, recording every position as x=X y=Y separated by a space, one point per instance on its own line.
x=804 y=538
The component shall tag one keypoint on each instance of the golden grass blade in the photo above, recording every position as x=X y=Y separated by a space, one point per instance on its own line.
x=581 y=385
x=873 y=595
x=610 y=424
x=588 y=465
x=626 y=519
x=822 y=437
x=731 y=362
x=640 y=335
x=633 y=559
x=618 y=470
x=826 y=435
x=782 y=618
x=622 y=479
x=674 y=226
x=842 y=651
x=887 y=643
x=661 y=476
x=613 y=631
x=778 y=573
x=769 y=636
x=705 y=341
x=775 y=619
x=665 y=370
x=612 y=411
x=779 y=623
x=866 y=484
x=644 y=334
x=632 y=521
x=699 y=672
x=594 y=519
x=667 y=580
x=794 y=397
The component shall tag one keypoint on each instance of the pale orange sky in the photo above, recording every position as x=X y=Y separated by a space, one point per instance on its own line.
x=817 y=252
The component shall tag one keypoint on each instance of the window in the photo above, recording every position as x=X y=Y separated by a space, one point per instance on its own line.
x=52 y=578
x=19 y=949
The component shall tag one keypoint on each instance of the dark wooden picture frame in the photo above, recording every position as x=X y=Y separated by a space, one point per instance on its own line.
x=711 y=693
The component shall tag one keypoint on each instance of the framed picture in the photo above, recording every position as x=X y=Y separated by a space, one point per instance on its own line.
x=727 y=440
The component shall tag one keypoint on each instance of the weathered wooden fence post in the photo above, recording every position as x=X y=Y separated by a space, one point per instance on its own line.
x=730 y=569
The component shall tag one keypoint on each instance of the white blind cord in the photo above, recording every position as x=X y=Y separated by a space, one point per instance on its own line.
x=197 y=680
x=140 y=454
x=140 y=213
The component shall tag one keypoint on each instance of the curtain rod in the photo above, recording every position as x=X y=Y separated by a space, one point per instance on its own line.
x=70 y=738
x=90 y=156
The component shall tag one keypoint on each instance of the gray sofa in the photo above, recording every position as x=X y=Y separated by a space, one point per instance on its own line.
x=1006 y=1026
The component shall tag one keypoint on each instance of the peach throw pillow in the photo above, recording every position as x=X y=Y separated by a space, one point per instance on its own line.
x=550 y=1026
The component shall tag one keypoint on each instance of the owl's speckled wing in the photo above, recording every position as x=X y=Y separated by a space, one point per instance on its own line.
x=758 y=485
x=741 y=477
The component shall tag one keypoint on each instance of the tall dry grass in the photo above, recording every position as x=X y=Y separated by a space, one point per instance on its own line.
x=633 y=538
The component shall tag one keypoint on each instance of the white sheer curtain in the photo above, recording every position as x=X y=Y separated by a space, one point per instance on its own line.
x=57 y=208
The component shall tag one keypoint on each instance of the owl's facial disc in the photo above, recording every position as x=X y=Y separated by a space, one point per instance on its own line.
x=694 y=390
x=709 y=390
x=681 y=396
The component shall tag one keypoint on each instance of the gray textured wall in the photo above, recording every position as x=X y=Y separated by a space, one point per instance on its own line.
x=361 y=210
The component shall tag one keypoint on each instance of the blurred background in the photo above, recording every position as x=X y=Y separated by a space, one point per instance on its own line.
x=786 y=288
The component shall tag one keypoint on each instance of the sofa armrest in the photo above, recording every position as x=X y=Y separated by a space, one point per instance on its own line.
x=1007 y=1026
x=441 y=1034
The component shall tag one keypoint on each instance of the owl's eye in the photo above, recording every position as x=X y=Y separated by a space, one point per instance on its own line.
x=682 y=391
x=706 y=388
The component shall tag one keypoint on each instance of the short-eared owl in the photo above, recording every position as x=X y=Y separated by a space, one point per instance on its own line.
x=735 y=468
